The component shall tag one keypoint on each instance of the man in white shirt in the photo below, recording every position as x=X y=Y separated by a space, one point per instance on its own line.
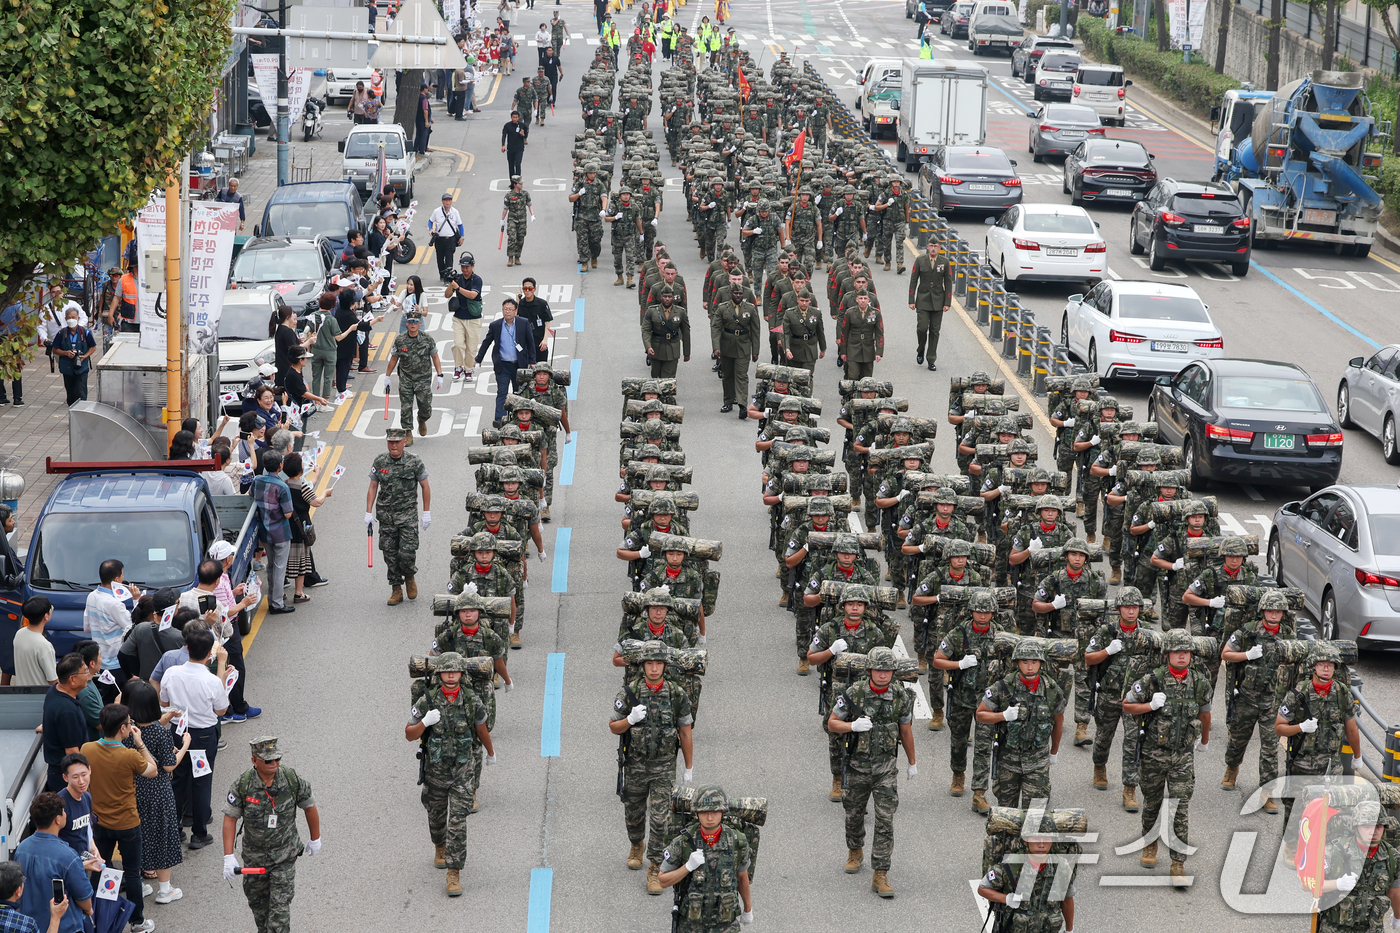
x=445 y=225
x=106 y=616
x=204 y=698
x=35 y=662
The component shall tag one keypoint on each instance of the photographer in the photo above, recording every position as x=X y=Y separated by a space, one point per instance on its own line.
x=12 y=920
x=45 y=857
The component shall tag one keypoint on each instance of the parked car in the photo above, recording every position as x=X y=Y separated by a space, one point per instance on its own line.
x=953 y=22
x=1248 y=421
x=1126 y=329
x=1104 y=88
x=1054 y=75
x=359 y=163
x=1037 y=241
x=970 y=178
x=340 y=82
x=879 y=95
x=330 y=209
x=1025 y=55
x=1060 y=128
x=1341 y=547
x=297 y=269
x=1108 y=170
x=1369 y=397
x=1191 y=220
x=244 y=344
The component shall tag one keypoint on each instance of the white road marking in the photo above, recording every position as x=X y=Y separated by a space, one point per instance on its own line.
x=922 y=711
x=1251 y=492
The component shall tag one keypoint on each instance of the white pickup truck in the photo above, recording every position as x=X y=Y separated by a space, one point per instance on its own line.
x=994 y=26
x=879 y=95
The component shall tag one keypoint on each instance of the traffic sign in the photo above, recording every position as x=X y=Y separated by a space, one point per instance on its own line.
x=328 y=53
x=421 y=20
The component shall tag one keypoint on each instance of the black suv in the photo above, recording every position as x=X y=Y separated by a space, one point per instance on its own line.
x=1191 y=220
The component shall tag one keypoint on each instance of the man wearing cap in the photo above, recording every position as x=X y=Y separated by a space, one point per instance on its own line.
x=516 y=133
x=666 y=334
x=515 y=212
x=930 y=296
x=445 y=227
x=450 y=720
x=590 y=200
x=394 y=480
x=266 y=798
x=513 y=346
x=464 y=301
x=415 y=356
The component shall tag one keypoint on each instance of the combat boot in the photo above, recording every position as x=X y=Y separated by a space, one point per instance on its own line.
x=544 y=514
x=957 y=789
x=880 y=884
x=1179 y=873
x=1079 y=508
x=422 y=429
x=902 y=604
x=1228 y=782
x=1270 y=805
x=629 y=282
x=1130 y=798
x=899 y=270
x=979 y=802
x=515 y=640
x=923 y=663
x=440 y=856
x=935 y=722
x=835 y=788
x=867 y=252
x=410 y=586
x=1092 y=537
x=1148 y=859
x=634 y=856
x=1117 y=576
x=594 y=262
x=887 y=267
x=619 y=279
x=1101 y=777
x=396 y=596
x=653 y=879
x=853 y=859
x=783 y=599
x=803 y=668
x=476 y=802
x=454 y=882
x=1081 y=734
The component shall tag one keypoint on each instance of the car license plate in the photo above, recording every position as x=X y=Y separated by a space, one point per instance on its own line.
x=1278 y=441
x=981 y=187
x=1118 y=192
x=1209 y=228
x=1313 y=216
x=1061 y=252
x=1072 y=134
x=1168 y=346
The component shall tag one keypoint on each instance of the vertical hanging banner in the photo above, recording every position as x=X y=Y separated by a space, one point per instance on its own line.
x=212 y=228
x=150 y=234
x=298 y=86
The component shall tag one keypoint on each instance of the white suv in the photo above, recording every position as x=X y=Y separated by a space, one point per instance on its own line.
x=1103 y=88
x=360 y=160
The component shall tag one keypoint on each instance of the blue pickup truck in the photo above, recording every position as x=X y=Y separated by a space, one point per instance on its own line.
x=157 y=518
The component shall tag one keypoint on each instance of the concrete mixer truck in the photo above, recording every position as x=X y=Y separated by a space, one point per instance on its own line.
x=1302 y=158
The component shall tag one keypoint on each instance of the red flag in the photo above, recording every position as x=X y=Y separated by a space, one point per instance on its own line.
x=794 y=153
x=744 y=87
x=1312 y=844
x=382 y=170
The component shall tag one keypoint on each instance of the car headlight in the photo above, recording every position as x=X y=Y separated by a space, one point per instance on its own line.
x=397 y=172
x=265 y=357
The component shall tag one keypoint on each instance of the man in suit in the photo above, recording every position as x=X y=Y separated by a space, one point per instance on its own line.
x=930 y=295
x=512 y=344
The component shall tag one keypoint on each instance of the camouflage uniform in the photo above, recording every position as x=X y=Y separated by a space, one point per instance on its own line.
x=1025 y=582
x=540 y=87
x=555 y=396
x=588 y=226
x=932 y=624
x=623 y=221
x=1169 y=740
x=1319 y=753
x=1210 y=583
x=650 y=771
x=1116 y=673
x=415 y=369
x=524 y=101
x=893 y=229
x=861 y=639
x=1087 y=584
x=763 y=260
x=1171 y=546
x=1037 y=913
x=517 y=205
x=804 y=219
x=1023 y=763
x=505 y=531
x=712 y=903
x=805 y=617
x=1364 y=908
x=451 y=774
x=1256 y=688
x=968 y=688
x=496 y=581
x=274 y=847
x=396 y=510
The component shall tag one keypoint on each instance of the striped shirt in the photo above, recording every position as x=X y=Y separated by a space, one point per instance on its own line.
x=106 y=619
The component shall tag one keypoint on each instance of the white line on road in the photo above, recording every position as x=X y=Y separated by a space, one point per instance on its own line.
x=1251 y=492
x=922 y=711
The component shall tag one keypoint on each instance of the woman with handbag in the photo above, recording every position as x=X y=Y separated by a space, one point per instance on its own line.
x=304 y=499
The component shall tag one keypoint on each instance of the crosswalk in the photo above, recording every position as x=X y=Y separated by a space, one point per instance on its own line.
x=833 y=46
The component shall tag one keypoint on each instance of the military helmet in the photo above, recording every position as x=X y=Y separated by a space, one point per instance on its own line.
x=449 y=661
x=590 y=167
x=982 y=601
x=945 y=495
x=1128 y=596
x=1108 y=401
x=1233 y=546
x=995 y=408
x=624 y=190
x=1020 y=446
x=958 y=548
x=1194 y=507
x=494 y=504
x=1324 y=651
x=710 y=799
x=511 y=431
x=653 y=430
x=1007 y=425
x=470 y=600
x=901 y=426
x=881 y=659
x=868 y=384
x=1149 y=456
x=1048 y=502
x=846 y=544
x=1370 y=813
x=980 y=378
x=654 y=651
x=651 y=405
x=857 y=593
x=790 y=403
x=656 y=472
x=483 y=541
x=511 y=474
x=1082 y=384
x=1076 y=544
x=1130 y=427
x=648 y=450
x=658 y=596
x=1272 y=600
x=1040 y=475
x=802 y=452
x=820 y=505
x=663 y=505
x=763 y=204
x=1177 y=639
x=1028 y=649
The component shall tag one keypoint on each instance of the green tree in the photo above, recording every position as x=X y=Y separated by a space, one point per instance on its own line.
x=102 y=99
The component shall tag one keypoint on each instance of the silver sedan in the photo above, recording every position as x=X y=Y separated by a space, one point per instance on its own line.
x=1341 y=547
x=1060 y=128
x=1369 y=397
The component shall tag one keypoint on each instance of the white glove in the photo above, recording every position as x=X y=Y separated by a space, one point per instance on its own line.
x=968 y=660
x=1053 y=756
x=431 y=717
x=510 y=685
x=1255 y=653
x=313 y=846
x=602 y=213
x=581 y=190
x=903 y=494
x=1013 y=901
x=1035 y=544
x=819 y=244
x=689 y=774
x=1217 y=602
x=1200 y=747
x=541 y=555
x=767 y=412
x=838 y=646
x=923 y=548
x=863 y=724
x=1308 y=726
x=713 y=203
x=641 y=238
x=387 y=382
x=1004 y=489
x=653 y=221
x=1151 y=524
x=1059 y=602
x=818 y=200
x=369 y=518
x=490 y=759
x=913 y=772
x=644 y=552
x=1179 y=563
x=230 y=867
x=639 y=712
x=697 y=858
x=700 y=640
x=1159 y=700
x=437 y=383
x=1114 y=646
x=757 y=231
x=503 y=223
x=1095 y=441
x=1068 y=422
x=1011 y=713
x=426 y=520
x=1346 y=882
x=746 y=918
x=1113 y=470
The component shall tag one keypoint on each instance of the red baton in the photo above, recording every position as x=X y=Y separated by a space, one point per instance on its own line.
x=250 y=871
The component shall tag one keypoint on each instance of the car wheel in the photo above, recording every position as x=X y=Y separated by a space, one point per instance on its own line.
x=1344 y=406
x=1194 y=480
x=1239 y=269
x=900 y=153
x=1363 y=250
x=1093 y=359
x=1076 y=196
x=1327 y=624
x=1134 y=246
x=1154 y=262
x=1273 y=560
x=1388 y=446
x=1064 y=180
x=1151 y=409
x=1035 y=92
x=1035 y=156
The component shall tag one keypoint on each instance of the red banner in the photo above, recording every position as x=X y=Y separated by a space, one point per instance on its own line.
x=794 y=153
x=744 y=87
x=1312 y=844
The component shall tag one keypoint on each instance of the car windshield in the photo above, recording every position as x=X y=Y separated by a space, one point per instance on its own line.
x=887 y=89
x=1058 y=61
x=366 y=146
x=244 y=320
x=1071 y=114
x=153 y=546
x=963 y=9
x=984 y=161
x=1057 y=223
x=1385 y=534
x=1270 y=392
x=1100 y=77
x=277 y=265
x=1163 y=308
x=308 y=218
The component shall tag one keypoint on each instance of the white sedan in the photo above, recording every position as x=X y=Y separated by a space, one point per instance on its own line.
x=1046 y=243
x=1139 y=330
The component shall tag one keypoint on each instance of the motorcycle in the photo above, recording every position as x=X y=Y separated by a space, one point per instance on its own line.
x=311 y=122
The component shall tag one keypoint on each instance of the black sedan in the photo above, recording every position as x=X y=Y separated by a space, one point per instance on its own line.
x=1248 y=421
x=1108 y=170
x=953 y=22
x=970 y=178
x=1191 y=220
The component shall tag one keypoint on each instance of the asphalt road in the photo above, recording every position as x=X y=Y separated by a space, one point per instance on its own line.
x=546 y=851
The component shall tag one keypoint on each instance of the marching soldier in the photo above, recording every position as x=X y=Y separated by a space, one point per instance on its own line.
x=735 y=334
x=1318 y=717
x=392 y=498
x=716 y=867
x=1206 y=594
x=416 y=357
x=1170 y=557
x=1033 y=708
x=894 y=226
x=1059 y=594
x=861 y=337
x=931 y=623
x=666 y=334
x=930 y=295
x=804 y=334
x=1118 y=661
x=1251 y=682
x=1041 y=906
x=485 y=576
x=965 y=652
x=1362 y=873
x=804 y=228
x=590 y=202
x=626 y=234
x=515 y=212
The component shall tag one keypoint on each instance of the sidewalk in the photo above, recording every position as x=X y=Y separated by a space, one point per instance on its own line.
x=34 y=431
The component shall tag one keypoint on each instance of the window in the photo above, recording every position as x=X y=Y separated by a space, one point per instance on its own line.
x=277 y=264
x=1319 y=506
x=1163 y=308
x=1008 y=220
x=1268 y=392
x=1385 y=534
x=1194 y=383
x=366 y=146
x=1381 y=360
x=1341 y=523
x=1058 y=223
x=1100 y=77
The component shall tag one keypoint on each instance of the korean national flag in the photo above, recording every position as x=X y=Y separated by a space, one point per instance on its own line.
x=110 y=884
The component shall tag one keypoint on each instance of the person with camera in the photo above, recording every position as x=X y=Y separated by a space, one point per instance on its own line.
x=55 y=866
x=12 y=919
x=115 y=767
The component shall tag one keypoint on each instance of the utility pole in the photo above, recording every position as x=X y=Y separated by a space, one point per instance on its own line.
x=174 y=306
x=284 y=171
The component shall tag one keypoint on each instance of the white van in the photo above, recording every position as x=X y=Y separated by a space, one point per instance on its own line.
x=360 y=159
x=1103 y=88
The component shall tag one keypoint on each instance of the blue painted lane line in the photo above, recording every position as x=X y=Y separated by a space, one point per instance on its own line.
x=578 y=315
x=566 y=460
x=560 y=583
x=1013 y=98
x=553 y=705
x=541 y=889
x=1315 y=306
x=574 y=372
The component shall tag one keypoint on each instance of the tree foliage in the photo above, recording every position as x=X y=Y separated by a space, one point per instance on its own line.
x=102 y=99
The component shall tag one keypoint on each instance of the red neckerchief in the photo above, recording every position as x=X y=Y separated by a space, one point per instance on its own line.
x=1126 y=627
x=657 y=526
x=494 y=529
x=1271 y=630
x=1371 y=852
x=523 y=425
x=956 y=574
x=655 y=688
x=849 y=626
x=654 y=630
x=484 y=568
x=1195 y=534
x=1075 y=574
x=1321 y=690
x=452 y=695
x=1179 y=675
x=980 y=631
x=509 y=496
x=673 y=572
x=1032 y=685
x=821 y=527
x=940 y=523
x=1048 y=528
x=469 y=632
x=712 y=840
x=1161 y=498
x=875 y=689
x=1232 y=573
x=844 y=572
x=541 y=388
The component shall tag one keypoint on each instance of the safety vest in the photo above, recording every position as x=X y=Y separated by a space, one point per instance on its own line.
x=376 y=86
x=128 y=293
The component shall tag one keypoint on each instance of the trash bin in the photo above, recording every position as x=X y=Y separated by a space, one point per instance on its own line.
x=251 y=131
